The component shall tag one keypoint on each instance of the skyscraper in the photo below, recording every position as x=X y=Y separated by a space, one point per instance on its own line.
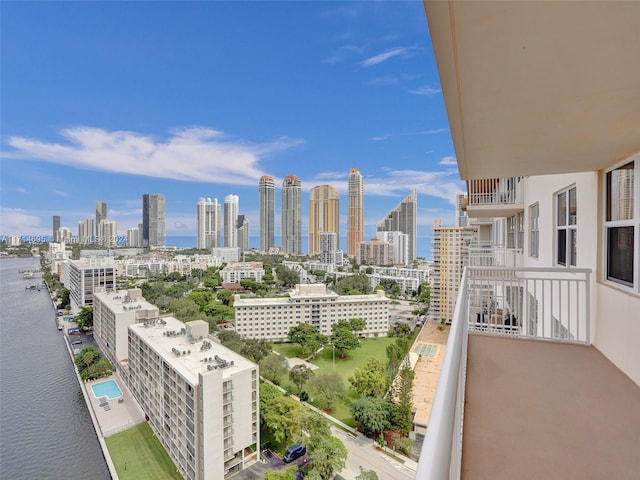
x=209 y=217
x=101 y=214
x=267 y=200
x=355 y=212
x=230 y=220
x=56 y=226
x=242 y=229
x=107 y=233
x=153 y=220
x=462 y=219
x=403 y=219
x=324 y=215
x=86 y=230
x=291 y=215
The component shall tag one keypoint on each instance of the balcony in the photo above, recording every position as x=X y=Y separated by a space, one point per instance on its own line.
x=522 y=393
x=494 y=197
x=494 y=256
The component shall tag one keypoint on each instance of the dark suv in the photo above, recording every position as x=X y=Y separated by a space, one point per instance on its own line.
x=293 y=452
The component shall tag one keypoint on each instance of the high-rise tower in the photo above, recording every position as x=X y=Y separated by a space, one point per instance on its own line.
x=56 y=226
x=324 y=215
x=230 y=220
x=153 y=220
x=242 y=229
x=209 y=224
x=267 y=200
x=291 y=215
x=462 y=219
x=403 y=219
x=355 y=212
x=101 y=214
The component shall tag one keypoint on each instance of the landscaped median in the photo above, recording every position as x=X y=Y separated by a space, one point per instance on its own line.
x=138 y=455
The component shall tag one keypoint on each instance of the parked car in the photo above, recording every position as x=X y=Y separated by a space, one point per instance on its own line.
x=294 y=451
x=76 y=342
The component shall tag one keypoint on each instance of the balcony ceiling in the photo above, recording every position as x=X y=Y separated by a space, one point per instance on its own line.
x=535 y=88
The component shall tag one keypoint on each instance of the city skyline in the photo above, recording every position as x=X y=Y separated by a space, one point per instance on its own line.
x=362 y=89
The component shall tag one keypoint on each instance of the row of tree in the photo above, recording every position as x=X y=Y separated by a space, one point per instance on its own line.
x=344 y=336
x=91 y=364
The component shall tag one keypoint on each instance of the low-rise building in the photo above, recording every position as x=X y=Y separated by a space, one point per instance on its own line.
x=200 y=398
x=234 y=272
x=271 y=318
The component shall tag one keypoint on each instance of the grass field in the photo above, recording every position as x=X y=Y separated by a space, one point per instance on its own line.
x=138 y=455
x=369 y=347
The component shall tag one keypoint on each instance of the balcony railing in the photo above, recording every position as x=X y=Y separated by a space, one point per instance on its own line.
x=494 y=256
x=494 y=191
x=545 y=303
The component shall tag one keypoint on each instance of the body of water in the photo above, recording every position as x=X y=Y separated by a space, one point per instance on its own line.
x=45 y=427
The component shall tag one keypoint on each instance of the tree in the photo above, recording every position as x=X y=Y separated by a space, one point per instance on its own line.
x=352 y=285
x=226 y=297
x=281 y=415
x=395 y=354
x=184 y=309
x=299 y=334
x=327 y=456
x=174 y=277
x=315 y=341
x=219 y=311
x=343 y=338
x=327 y=389
x=369 y=381
x=273 y=366
x=84 y=318
x=402 y=387
x=299 y=375
x=367 y=475
x=288 y=474
x=424 y=298
x=286 y=276
x=314 y=424
x=373 y=413
x=201 y=296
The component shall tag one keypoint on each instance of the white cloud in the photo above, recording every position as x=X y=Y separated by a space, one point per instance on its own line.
x=442 y=184
x=380 y=137
x=342 y=53
x=433 y=131
x=382 y=57
x=195 y=154
x=428 y=91
x=15 y=221
x=448 y=160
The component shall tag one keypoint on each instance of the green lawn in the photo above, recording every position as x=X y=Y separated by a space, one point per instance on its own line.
x=369 y=347
x=138 y=454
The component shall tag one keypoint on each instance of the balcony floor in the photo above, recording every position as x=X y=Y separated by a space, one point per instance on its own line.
x=546 y=410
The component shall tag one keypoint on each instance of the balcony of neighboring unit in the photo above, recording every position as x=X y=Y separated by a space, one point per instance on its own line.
x=494 y=197
x=494 y=256
x=522 y=393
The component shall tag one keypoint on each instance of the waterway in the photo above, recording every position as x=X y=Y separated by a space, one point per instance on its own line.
x=45 y=427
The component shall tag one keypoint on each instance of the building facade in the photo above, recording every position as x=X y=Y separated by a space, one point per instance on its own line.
x=230 y=220
x=400 y=243
x=201 y=398
x=375 y=252
x=267 y=205
x=355 y=212
x=153 y=220
x=86 y=231
x=107 y=233
x=56 y=226
x=101 y=214
x=291 y=215
x=82 y=277
x=324 y=215
x=271 y=318
x=462 y=219
x=209 y=218
x=403 y=218
x=235 y=272
x=242 y=229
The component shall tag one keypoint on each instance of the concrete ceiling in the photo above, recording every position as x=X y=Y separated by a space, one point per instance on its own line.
x=538 y=87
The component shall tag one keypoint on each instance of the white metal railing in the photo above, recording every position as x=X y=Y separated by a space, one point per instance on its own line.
x=494 y=256
x=494 y=191
x=545 y=303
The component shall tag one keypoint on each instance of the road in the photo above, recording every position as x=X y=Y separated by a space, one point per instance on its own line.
x=362 y=452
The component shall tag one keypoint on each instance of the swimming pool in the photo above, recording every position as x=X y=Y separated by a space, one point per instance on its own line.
x=107 y=389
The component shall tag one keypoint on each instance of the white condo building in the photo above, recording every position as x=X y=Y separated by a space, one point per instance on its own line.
x=271 y=318
x=82 y=277
x=230 y=221
x=400 y=243
x=201 y=398
x=227 y=254
x=209 y=218
x=235 y=272
x=541 y=375
x=113 y=313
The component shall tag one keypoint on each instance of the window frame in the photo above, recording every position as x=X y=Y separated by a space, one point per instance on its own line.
x=534 y=230
x=570 y=229
x=634 y=222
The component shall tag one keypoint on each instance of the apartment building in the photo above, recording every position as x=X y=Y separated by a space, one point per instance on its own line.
x=227 y=254
x=271 y=318
x=408 y=279
x=82 y=277
x=113 y=313
x=237 y=271
x=552 y=156
x=201 y=398
x=375 y=252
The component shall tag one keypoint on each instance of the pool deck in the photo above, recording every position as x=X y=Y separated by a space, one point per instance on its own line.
x=119 y=414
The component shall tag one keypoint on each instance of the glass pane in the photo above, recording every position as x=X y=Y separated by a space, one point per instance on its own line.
x=562 y=247
x=620 y=254
x=573 y=208
x=562 y=209
x=573 y=235
x=620 y=191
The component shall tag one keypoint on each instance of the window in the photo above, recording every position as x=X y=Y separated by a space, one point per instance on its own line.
x=534 y=212
x=566 y=227
x=621 y=224
x=520 y=225
x=511 y=232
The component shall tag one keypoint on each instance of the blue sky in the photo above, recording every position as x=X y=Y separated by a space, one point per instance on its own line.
x=111 y=100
